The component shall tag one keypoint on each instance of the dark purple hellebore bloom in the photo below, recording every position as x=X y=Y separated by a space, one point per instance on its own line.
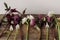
x=16 y=19
x=39 y=16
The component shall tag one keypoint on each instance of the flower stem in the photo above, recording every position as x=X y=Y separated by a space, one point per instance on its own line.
x=46 y=33
x=59 y=32
x=16 y=34
x=9 y=33
x=27 y=31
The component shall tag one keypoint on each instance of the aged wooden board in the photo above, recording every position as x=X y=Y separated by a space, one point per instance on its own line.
x=33 y=34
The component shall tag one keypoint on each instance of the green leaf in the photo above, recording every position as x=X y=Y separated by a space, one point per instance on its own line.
x=6 y=5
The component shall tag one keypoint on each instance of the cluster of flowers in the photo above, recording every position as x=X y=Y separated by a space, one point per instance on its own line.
x=40 y=21
x=36 y=22
x=32 y=21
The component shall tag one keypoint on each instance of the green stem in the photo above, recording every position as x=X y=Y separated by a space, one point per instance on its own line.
x=9 y=33
x=47 y=33
x=59 y=32
x=27 y=31
x=16 y=34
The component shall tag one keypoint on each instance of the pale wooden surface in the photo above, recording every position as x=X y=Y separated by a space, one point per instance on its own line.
x=33 y=34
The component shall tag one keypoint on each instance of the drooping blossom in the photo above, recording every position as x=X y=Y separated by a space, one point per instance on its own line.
x=49 y=15
x=47 y=25
x=16 y=19
x=11 y=28
x=29 y=21
x=24 y=20
x=31 y=17
x=17 y=26
x=32 y=20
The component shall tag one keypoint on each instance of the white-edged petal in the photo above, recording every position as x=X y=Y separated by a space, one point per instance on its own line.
x=50 y=13
x=12 y=22
x=44 y=18
x=17 y=26
x=47 y=25
x=37 y=27
x=15 y=13
x=31 y=17
x=5 y=19
x=28 y=16
x=11 y=28
x=24 y=20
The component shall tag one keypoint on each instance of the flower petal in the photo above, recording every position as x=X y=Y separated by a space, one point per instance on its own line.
x=31 y=17
x=32 y=22
x=48 y=18
x=11 y=28
x=47 y=25
x=50 y=13
x=24 y=20
x=17 y=26
x=37 y=27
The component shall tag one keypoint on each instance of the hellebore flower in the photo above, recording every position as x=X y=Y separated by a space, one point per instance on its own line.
x=17 y=26
x=32 y=20
x=28 y=20
x=11 y=28
x=47 y=27
x=24 y=20
x=31 y=17
x=28 y=17
x=49 y=15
